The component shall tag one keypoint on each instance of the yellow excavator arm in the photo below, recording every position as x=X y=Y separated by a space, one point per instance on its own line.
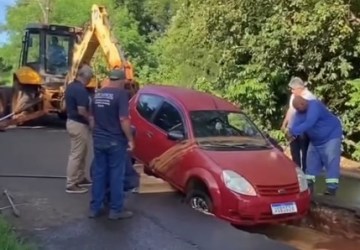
x=98 y=34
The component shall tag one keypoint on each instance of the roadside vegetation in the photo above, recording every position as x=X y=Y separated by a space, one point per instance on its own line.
x=8 y=239
x=5 y=71
x=243 y=50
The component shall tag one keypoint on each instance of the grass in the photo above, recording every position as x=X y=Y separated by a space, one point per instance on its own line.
x=9 y=240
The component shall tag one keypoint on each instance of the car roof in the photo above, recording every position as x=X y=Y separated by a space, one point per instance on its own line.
x=191 y=99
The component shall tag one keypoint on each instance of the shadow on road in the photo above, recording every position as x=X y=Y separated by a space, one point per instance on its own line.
x=49 y=121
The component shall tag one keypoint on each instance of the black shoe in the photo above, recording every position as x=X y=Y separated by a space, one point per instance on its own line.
x=76 y=190
x=120 y=216
x=84 y=183
x=93 y=215
x=330 y=192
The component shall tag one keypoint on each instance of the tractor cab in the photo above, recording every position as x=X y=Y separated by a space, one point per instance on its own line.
x=47 y=49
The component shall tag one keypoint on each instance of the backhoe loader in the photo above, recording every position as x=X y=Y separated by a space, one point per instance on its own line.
x=49 y=60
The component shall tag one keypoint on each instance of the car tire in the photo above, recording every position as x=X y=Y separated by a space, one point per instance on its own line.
x=200 y=201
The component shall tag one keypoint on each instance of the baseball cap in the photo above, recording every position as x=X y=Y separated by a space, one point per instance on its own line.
x=117 y=74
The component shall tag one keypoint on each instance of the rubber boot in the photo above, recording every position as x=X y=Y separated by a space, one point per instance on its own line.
x=330 y=192
x=331 y=189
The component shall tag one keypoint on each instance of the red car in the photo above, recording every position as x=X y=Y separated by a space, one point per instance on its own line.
x=208 y=149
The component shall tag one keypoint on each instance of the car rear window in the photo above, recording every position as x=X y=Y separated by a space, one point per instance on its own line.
x=147 y=105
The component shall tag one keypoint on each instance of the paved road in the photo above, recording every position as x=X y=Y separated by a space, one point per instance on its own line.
x=56 y=220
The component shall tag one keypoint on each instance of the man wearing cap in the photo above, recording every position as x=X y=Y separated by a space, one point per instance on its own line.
x=325 y=133
x=112 y=137
x=299 y=146
x=77 y=101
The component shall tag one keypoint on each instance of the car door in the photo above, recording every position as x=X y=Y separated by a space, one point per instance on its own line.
x=142 y=113
x=168 y=118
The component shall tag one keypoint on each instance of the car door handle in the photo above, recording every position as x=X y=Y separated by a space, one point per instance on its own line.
x=149 y=134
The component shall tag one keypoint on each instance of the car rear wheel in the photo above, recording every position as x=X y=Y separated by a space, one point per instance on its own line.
x=199 y=199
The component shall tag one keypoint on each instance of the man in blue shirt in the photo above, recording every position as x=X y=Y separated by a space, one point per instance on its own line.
x=112 y=137
x=77 y=108
x=325 y=133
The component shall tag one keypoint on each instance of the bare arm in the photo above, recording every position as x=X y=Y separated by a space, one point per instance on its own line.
x=288 y=114
x=82 y=99
x=126 y=127
x=124 y=117
x=84 y=113
x=286 y=119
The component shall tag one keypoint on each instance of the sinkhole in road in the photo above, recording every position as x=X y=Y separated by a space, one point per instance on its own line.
x=332 y=223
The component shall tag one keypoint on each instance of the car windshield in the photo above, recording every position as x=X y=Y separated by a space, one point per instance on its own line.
x=226 y=129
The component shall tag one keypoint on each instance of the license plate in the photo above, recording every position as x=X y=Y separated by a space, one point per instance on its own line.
x=284 y=208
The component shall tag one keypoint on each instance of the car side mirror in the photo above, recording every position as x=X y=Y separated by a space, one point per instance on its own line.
x=175 y=135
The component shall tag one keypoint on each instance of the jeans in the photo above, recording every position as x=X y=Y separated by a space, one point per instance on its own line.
x=326 y=155
x=108 y=168
x=298 y=149
x=131 y=179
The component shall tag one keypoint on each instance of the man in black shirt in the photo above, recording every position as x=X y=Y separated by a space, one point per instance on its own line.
x=112 y=137
x=77 y=100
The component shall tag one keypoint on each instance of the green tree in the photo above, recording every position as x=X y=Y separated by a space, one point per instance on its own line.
x=4 y=72
x=247 y=51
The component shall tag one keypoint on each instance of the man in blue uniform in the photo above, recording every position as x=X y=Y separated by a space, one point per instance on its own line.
x=325 y=133
x=112 y=137
x=298 y=146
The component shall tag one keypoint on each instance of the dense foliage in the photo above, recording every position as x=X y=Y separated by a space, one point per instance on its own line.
x=5 y=70
x=243 y=50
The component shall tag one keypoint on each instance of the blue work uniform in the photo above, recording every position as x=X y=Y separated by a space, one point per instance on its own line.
x=325 y=134
x=110 y=148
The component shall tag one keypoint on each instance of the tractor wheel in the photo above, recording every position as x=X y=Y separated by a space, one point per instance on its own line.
x=22 y=97
x=2 y=105
x=5 y=99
